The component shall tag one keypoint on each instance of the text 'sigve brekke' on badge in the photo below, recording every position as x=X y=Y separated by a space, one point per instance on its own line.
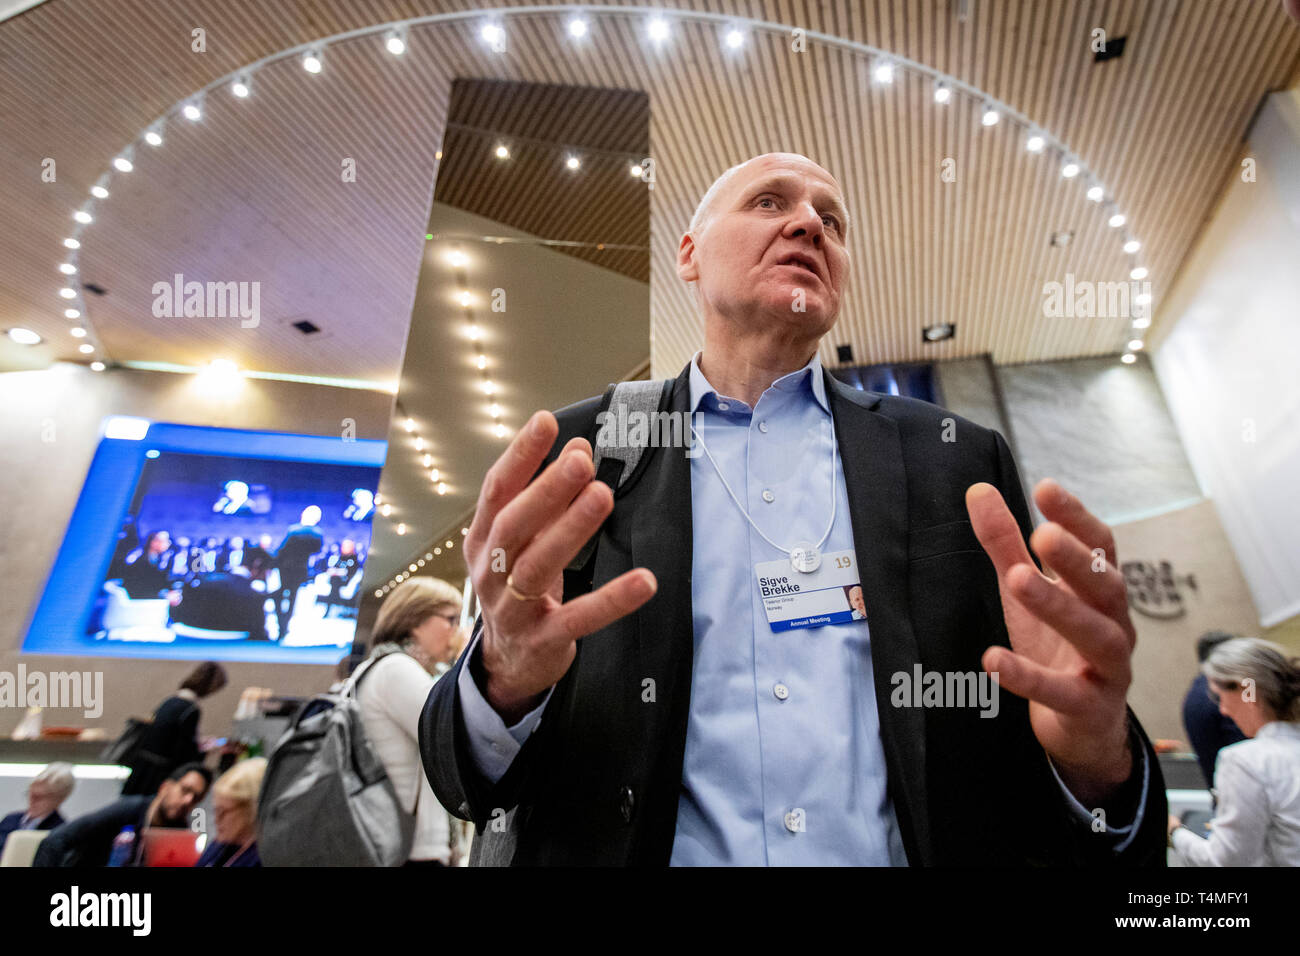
x=829 y=595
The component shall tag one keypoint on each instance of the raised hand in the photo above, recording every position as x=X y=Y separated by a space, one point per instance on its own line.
x=1071 y=638
x=522 y=537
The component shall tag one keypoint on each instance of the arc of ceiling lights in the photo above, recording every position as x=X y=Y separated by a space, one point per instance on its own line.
x=312 y=55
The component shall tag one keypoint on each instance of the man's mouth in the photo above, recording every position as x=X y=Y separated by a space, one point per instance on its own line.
x=800 y=262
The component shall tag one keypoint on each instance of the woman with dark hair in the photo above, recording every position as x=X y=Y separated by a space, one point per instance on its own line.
x=173 y=738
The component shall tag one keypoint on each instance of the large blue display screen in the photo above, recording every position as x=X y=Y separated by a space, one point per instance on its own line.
x=213 y=544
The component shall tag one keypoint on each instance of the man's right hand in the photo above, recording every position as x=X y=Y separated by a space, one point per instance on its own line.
x=529 y=532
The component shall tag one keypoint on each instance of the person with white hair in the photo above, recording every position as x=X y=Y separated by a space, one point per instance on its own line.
x=1257 y=781
x=45 y=794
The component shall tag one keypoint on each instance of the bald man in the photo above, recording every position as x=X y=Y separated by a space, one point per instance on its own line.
x=692 y=691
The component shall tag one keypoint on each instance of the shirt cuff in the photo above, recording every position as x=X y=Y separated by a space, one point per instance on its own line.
x=1083 y=814
x=492 y=744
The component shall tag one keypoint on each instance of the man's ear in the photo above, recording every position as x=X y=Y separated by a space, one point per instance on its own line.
x=687 y=269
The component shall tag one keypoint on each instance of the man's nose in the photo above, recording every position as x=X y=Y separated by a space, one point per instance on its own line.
x=806 y=220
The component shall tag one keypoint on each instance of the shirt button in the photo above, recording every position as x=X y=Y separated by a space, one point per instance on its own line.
x=794 y=820
x=723 y=406
x=781 y=691
x=768 y=496
x=762 y=426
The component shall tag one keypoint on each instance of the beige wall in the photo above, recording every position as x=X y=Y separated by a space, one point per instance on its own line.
x=48 y=434
x=1192 y=540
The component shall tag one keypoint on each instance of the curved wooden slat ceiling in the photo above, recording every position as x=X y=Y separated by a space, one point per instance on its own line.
x=254 y=193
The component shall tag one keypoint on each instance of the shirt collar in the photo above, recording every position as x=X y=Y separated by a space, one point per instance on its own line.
x=1278 y=728
x=808 y=379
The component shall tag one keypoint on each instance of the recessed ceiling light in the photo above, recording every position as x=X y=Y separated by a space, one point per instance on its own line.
x=500 y=430
x=153 y=138
x=1139 y=273
x=1116 y=220
x=67 y=268
x=442 y=487
x=72 y=243
x=883 y=73
x=1128 y=358
x=502 y=153
x=481 y=361
x=72 y=313
x=450 y=544
x=240 y=89
x=122 y=164
x=85 y=348
x=437 y=550
x=941 y=93
x=192 y=112
x=1143 y=323
x=573 y=162
x=577 y=28
x=311 y=62
x=24 y=336
x=734 y=39
x=491 y=34
x=1135 y=345
x=457 y=258
x=939 y=332
x=990 y=117
x=68 y=293
x=83 y=217
x=1142 y=298
x=1070 y=170
x=1132 y=246
x=395 y=44
x=636 y=170
x=409 y=424
x=1095 y=193
x=657 y=28
x=77 y=332
x=1035 y=144
x=97 y=366
x=99 y=192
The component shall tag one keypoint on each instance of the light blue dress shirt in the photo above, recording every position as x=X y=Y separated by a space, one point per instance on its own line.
x=784 y=764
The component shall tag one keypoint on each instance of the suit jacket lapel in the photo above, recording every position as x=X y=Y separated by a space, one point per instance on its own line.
x=662 y=540
x=872 y=458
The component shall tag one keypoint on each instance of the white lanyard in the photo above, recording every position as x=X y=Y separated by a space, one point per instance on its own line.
x=804 y=556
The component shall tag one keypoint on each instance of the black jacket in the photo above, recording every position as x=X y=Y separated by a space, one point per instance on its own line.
x=12 y=822
x=598 y=781
x=172 y=740
x=1208 y=730
x=88 y=840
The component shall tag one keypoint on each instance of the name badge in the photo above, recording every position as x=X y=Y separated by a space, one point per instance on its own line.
x=829 y=595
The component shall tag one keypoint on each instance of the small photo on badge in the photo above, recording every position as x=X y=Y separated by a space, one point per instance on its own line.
x=853 y=592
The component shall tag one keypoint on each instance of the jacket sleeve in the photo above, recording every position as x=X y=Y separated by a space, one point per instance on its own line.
x=445 y=747
x=77 y=842
x=1091 y=845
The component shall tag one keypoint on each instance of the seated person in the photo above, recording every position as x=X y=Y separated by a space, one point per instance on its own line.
x=223 y=601
x=146 y=574
x=88 y=840
x=45 y=793
x=234 y=808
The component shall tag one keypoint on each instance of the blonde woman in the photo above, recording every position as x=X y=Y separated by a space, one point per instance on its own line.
x=415 y=635
x=1257 y=780
x=234 y=810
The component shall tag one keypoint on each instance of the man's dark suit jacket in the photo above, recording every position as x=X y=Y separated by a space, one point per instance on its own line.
x=598 y=781
x=88 y=840
x=12 y=822
x=1208 y=730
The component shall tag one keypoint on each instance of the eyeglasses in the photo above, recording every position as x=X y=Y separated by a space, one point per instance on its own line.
x=453 y=618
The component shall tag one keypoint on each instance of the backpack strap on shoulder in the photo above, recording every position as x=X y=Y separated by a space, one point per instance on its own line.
x=618 y=462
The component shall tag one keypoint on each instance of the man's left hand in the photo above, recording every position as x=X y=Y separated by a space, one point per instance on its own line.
x=1071 y=638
